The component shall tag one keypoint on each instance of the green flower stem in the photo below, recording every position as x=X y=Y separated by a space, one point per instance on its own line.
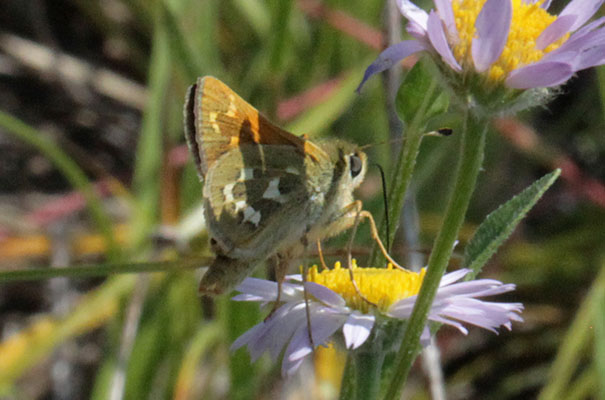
x=347 y=387
x=72 y=172
x=363 y=372
x=472 y=148
x=86 y=271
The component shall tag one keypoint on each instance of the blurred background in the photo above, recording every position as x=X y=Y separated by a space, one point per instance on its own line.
x=94 y=170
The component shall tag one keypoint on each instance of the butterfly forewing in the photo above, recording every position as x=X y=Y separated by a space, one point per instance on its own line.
x=218 y=120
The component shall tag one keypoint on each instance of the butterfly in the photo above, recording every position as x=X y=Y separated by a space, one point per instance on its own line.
x=267 y=193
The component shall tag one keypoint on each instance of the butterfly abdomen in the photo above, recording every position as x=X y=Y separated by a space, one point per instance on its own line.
x=224 y=274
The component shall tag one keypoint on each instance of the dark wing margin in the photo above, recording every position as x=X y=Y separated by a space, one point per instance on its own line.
x=190 y=132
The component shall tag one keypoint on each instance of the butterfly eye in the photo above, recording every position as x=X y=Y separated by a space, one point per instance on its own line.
x=355 y=164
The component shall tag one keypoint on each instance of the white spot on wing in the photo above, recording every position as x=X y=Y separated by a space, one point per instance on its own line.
x=240 y=205
x=251 y=215
x=317 y=197
x=292 y=170
x=215 y=126
x=272 y=191
x=228 y=192
x=232 y=110
x=245 y=174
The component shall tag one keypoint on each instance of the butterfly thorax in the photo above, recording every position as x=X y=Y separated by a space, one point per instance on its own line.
x=348 y=166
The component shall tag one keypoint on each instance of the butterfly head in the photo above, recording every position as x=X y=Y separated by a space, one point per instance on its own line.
x=349 y=164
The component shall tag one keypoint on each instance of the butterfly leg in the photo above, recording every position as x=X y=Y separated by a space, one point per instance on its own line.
x=279 y=263
x=321 y=255
x=376 y=237
x=305 y=272
x=356 y=207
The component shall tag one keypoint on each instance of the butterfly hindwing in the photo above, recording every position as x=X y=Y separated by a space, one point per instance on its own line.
x=251 y=210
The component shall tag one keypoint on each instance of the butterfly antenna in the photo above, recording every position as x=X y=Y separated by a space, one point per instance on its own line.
x=386 y=203
x=442 y=132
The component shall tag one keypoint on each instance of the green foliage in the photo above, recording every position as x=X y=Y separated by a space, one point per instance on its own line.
x=498 y=225
x=417 y=96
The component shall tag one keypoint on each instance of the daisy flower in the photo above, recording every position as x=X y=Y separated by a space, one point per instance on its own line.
x=517 y=44
x=335 y=305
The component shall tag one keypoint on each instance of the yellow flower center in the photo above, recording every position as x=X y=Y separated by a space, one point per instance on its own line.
x=528 y=22
x=380 y=286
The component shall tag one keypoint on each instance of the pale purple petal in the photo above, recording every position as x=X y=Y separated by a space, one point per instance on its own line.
x=413 y=13
x=582 y=9
x=492 y=24
x=417 y=32
x=273 y=334
x=247 y=337
x=439 y=41
x=543 y=74
x=566 y=57
x=325 y=295
x=476 y=288
x=288 y=368
x=391 y=56
x=590 y=58
x=452 y=277
x=357 y=329
x=250 y=297
x=437 y=318
x=253 y=289
x=596 y=24
x=403 y=308
x=457 y=303
x=425 y=337
x=323 y=325
x=587 y=36
x=487 y=315
x=555 y=31
x=445 y=11
x=282 y=327
x=545 y=5
x=278 y=330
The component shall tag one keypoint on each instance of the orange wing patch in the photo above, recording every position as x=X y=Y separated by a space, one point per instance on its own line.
x=218 y=120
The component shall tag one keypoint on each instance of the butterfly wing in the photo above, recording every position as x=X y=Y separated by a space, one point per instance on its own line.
x=218 y=120
x=266 y=205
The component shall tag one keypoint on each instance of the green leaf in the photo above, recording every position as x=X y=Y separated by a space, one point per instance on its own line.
x=281 y=12
x=412 y=92
x=599 y=332
x=498 y=225
x=150 y=147
x=256 y=13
